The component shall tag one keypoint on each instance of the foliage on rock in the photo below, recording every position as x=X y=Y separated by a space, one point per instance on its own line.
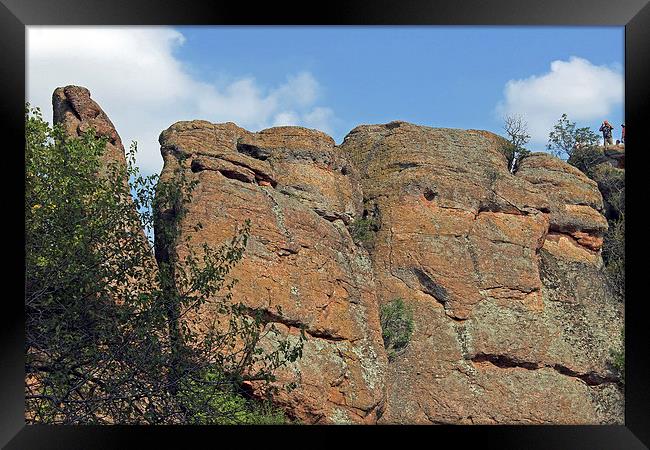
x=586 y=158
x=209 y=399
x=363 y=230
x=396 y=325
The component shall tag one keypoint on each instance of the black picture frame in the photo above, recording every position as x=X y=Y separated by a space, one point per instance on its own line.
x=15 y=15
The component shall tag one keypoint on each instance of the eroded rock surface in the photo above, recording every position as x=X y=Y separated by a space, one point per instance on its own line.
x=512 y=314
x=78 y=113
x=298 y=194
x=514 y=322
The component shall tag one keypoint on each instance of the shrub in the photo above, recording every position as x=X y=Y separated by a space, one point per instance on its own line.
x=362 y=230
x=586 y=158
x=213 y=400
x=396 y=326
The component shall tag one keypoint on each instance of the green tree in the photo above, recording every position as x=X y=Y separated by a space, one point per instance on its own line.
x=566 y=137
x=107 y=339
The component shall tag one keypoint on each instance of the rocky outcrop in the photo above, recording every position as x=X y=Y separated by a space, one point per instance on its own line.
x=576 y=224
x=299 y=194
x=615 y=155
x=513 y=319
x=78 y=113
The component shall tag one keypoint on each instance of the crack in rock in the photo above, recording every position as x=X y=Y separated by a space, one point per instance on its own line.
x=505 y=361
x=267 y=316
x=431 y=287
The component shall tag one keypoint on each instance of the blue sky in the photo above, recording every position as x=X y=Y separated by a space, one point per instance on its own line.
x=334 y=78
x=438 y=76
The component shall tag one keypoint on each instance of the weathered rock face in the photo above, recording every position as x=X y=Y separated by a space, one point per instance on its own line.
x=513 y=318
x=298 y=194
x=78 y=113
x=576 y=204
x=616 y=155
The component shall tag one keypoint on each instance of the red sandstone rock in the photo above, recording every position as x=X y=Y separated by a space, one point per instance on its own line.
x=77 y=112
x=465 y=244
x=300 y=255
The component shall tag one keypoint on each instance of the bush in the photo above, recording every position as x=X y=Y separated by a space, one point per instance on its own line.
x=363 y=230
x=213 y=400
x=396 y=326
x=586 y=158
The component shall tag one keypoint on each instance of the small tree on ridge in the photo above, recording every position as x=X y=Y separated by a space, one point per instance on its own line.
x=517 y=130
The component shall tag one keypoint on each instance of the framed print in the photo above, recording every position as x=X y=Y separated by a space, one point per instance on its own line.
x=402 y=216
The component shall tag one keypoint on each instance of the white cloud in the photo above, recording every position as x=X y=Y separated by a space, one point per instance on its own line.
x=133 y=74
x=582 y=90
x=320 y=118
x=285 y=118
x=301 y=90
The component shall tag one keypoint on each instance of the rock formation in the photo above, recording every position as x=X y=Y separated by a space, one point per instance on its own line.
x=299 y=193
x=616 y=155
x=513 y=319
x=78 y=113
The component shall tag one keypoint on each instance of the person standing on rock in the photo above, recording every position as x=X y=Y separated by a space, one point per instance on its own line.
x=606 y=129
